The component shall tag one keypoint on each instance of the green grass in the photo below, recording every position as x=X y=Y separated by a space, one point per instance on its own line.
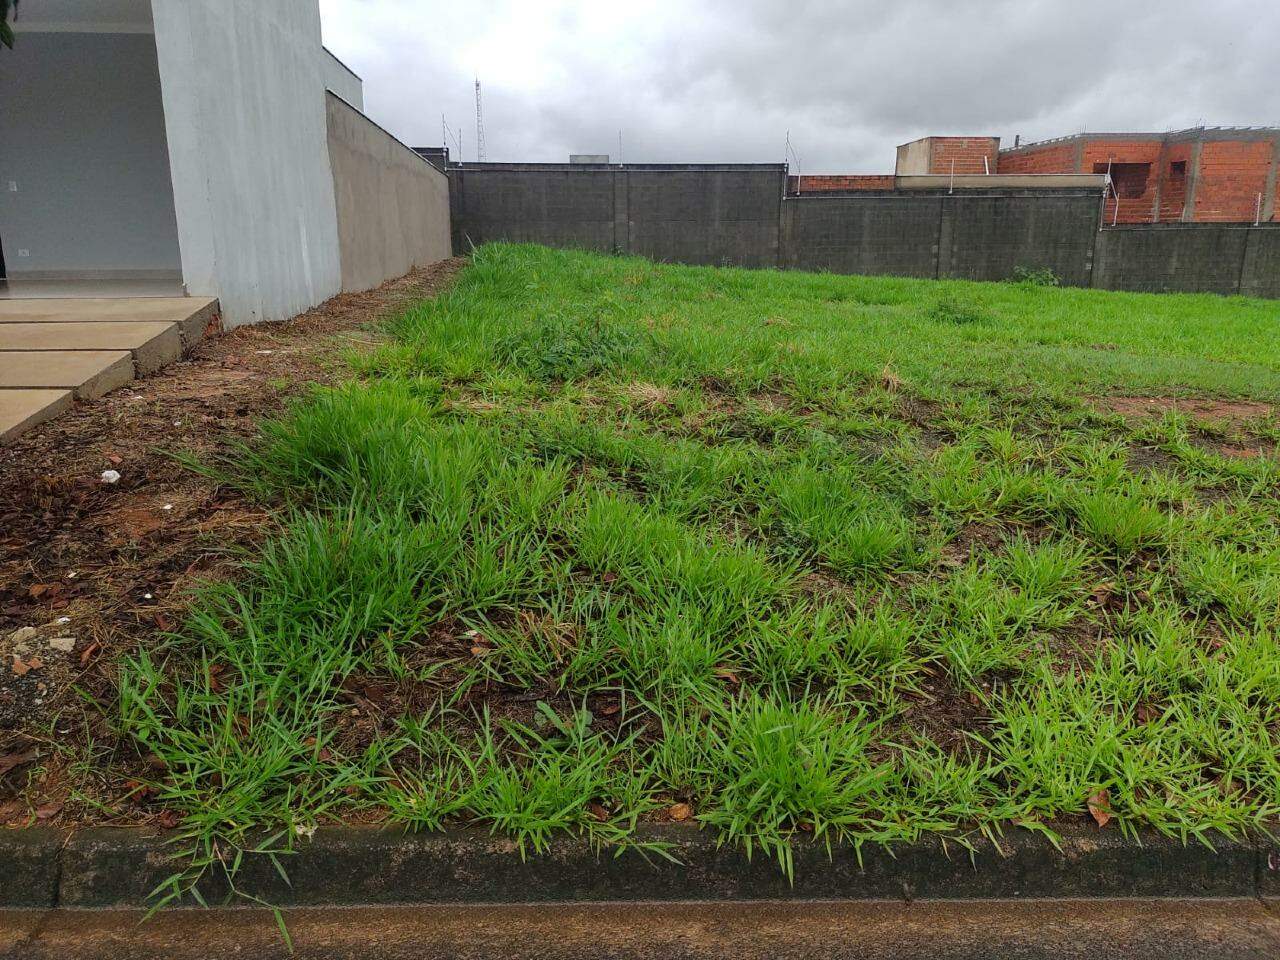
x=841 y=558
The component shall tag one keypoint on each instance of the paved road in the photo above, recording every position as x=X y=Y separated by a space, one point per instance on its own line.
x=1093 y=930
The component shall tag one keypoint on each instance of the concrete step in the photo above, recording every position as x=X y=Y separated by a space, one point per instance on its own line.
x=88 y=373
x=22 y=409
x=193 y=315
x=53 y=349
x=153 y=344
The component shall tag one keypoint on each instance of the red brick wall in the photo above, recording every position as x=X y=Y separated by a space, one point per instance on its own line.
x=1232 y=174
x=967 y=152
x=1173 y=189
x=1133 y=209
x=818 y=183
x=1055 y=158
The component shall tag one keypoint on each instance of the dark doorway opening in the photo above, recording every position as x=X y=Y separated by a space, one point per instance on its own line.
x=1129 y=179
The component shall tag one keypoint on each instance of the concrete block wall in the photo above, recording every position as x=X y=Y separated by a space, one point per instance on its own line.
x=737 y=215
x=866 y=235
x=1190 y=258
x=714 y=214
x=973 y=236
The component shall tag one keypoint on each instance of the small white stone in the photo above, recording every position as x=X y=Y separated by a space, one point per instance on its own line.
x=167 y=506
x=64 y=620
x=146 y=596
x=110 y=476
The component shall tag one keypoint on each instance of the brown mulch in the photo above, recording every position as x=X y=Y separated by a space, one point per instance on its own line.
x=90 y=570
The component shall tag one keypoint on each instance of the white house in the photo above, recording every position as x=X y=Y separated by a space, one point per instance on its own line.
x=192 y=143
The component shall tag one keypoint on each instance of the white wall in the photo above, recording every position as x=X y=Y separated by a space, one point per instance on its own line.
x=341 y=79
x=244 y=108
x=82 y=139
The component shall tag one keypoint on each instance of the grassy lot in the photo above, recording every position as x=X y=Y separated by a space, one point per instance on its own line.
x=594 y=541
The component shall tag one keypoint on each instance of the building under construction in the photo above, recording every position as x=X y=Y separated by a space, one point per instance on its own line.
x=1203 y=174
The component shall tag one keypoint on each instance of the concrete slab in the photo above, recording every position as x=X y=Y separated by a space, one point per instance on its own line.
x=89 y=373
x=21 y=409
x=25 y=286
x=153 y=344
x=191 y=314
x=880 y=930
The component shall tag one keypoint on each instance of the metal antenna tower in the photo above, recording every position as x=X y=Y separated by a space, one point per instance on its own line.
x=479 y=126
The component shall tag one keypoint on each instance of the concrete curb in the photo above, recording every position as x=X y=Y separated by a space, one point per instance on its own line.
x=118 y=867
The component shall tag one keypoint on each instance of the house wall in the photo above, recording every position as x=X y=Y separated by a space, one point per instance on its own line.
x=340 y=79
x=1226 y=172
x=392 y=205
x=1231 y=176
x=1173 y=189
x=963 y=154
x=82 y=138
x=1056 y=158
x=959 y=155
x=1095 y=155
x=912 y=158
x=253 y=191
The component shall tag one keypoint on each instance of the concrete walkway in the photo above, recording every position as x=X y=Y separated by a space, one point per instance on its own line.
x=55 y=350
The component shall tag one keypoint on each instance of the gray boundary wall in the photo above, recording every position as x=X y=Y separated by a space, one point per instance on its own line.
x=714 y=214
x=972 y=235
x=737 y=214
x=393 y=206
x=1227 y=258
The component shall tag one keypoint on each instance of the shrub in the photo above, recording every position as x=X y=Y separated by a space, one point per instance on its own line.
x=1036 y=277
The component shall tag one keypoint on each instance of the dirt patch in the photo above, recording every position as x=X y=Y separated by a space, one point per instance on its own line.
x=1247 y=451
x=102 y=568
x=973 y=540
x=1231 y=411
x=945 y=714
x=1145 y=459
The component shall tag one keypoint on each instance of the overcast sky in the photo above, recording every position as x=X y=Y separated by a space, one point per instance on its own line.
x=724 y=80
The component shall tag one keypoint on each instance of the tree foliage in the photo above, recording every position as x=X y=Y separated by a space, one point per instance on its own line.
x=6 y=31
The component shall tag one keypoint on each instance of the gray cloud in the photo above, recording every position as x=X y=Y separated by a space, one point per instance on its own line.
x=726 y=79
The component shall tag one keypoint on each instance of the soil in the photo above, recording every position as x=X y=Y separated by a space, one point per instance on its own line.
x=91 y=570
x=1231 y=411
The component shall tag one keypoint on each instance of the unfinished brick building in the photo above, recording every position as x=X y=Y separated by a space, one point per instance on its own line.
x=1225 y=174
x=1218 y=174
